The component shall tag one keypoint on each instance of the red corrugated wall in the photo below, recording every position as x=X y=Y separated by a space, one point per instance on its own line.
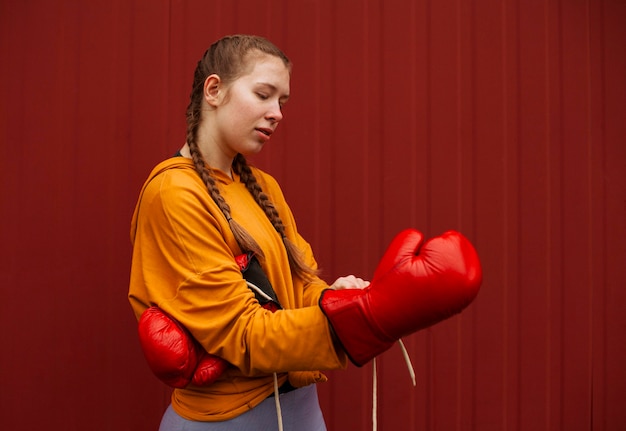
x=503 y=119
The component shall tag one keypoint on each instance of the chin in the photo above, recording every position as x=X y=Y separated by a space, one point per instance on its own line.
x=252 y=151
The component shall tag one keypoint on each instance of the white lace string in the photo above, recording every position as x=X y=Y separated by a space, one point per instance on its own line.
x=258 y=290
x=277 y=399
x=409 y=365
x=374 y=397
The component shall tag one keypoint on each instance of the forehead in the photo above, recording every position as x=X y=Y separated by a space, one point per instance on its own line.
x=267 y=69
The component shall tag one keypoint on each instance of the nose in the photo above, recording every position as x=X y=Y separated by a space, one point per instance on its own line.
x=275 y=113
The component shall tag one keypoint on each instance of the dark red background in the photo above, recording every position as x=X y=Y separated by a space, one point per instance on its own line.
x=503 y=119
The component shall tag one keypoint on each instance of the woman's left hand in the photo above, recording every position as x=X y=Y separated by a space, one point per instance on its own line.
x=349 y=282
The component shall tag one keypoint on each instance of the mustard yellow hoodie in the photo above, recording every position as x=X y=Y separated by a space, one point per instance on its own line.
x=183 y=262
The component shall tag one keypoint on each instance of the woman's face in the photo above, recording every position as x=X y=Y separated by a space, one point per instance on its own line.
x=248 y=111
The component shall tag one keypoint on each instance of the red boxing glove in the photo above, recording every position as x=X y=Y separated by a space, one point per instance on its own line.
x=209 y=369
x=172 y=353
x=174 y=356
x=415 y=285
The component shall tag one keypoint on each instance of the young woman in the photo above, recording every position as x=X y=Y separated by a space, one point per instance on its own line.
x=199 y=210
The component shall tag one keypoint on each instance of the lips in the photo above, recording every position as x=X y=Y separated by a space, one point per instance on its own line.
x=265 y=131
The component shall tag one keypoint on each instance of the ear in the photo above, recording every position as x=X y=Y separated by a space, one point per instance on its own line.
x=212 y=89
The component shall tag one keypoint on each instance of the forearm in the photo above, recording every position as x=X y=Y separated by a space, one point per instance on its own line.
x=289 y=340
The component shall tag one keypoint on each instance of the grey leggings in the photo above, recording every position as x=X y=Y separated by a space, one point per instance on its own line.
x=300 y=411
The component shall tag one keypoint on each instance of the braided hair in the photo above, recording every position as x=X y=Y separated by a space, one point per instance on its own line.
x=229 y=59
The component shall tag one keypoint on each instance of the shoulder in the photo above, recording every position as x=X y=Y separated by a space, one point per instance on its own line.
x=172 y=175
x=174 y=187
x=175 y=167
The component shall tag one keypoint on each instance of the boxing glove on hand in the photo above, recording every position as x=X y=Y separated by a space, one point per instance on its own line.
x=415 y=285
x=172 y=353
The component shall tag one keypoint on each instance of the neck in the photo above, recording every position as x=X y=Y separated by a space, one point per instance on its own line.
x=222 y=163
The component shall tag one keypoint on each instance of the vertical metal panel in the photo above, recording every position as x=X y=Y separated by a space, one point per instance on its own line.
x=500 y=118
x=73 y=89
